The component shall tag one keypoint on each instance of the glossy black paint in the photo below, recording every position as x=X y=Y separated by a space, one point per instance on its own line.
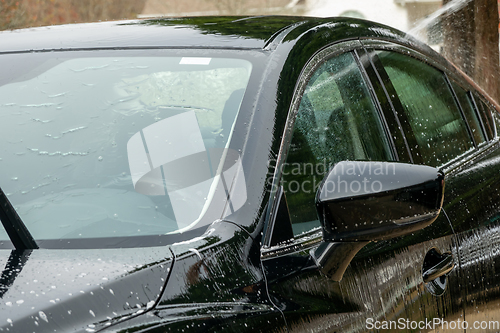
x=371 y=284
x=223 y=279
x=215 y=32
x=332 y=258
x=473 y=208
x=216 y=284
x=407 y=198
x=79 y=290
x=370 y=201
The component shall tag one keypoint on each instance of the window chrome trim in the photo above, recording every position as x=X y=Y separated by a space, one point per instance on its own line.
x=305 y=242
x=458 y=163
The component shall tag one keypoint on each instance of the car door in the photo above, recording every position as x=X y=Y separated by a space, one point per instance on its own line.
x=460 y=139
x=342 y=112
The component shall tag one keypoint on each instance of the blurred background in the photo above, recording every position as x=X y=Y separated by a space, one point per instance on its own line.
x=464 y=31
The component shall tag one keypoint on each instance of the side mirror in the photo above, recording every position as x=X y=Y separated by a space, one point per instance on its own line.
x=359 y=202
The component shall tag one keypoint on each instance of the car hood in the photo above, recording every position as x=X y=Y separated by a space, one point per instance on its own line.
x=79 y=290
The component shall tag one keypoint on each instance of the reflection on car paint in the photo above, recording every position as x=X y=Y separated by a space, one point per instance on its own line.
x=218 y=277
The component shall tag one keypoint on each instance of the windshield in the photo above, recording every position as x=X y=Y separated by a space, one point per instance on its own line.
x=118 y=146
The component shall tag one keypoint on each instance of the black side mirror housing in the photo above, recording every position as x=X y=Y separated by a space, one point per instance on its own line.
x=359 y=202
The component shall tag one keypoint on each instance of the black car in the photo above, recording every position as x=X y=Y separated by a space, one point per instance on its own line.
x=256 y=174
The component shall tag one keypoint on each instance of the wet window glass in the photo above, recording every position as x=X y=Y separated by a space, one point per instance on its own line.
x=428 y=102
x=485 y=114
x=470 y=114
x=119 y=146
x=337 y=121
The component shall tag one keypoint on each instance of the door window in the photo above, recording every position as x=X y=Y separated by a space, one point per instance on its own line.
x=428 y=103
x=337 y=120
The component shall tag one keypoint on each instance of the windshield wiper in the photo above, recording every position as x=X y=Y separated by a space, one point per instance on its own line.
x=17 y=231
x=13 y=268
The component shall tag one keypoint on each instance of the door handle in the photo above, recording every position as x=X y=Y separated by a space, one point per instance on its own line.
x=443 y=267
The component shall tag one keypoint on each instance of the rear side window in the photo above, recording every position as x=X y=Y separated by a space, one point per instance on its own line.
x=485 y=113
x=428 y=103
x=470 y=114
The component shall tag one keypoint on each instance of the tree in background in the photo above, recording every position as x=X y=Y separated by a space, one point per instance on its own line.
x=471 y=42
x=11 y=14
x=16 y=14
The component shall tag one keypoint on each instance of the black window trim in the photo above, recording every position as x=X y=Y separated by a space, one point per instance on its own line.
x=450 y=71
x=308 y=70
x=467 y=156
x=312 y=238
x=388 y=89
x=460 y=108
x=470 y=95
x=489 y=128
x=369 y=79
x=477 y=112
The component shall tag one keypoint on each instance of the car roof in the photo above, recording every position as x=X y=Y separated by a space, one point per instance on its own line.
x=207 y=32
x=195 y=32
x=211 y=32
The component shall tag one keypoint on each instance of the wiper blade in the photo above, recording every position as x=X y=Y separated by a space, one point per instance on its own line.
x=15 y=264
x=17 y=231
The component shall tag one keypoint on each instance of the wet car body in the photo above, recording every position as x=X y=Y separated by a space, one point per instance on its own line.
x=246 y=269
